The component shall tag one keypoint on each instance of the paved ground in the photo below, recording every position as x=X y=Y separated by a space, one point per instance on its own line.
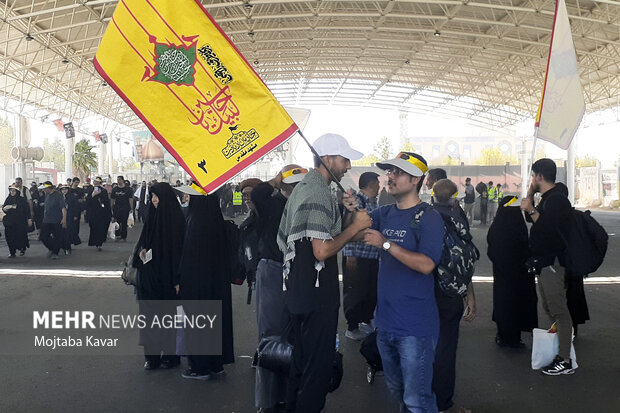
x=489 y=379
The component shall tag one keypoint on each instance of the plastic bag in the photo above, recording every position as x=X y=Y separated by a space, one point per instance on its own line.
x=130 y=221
x=545 y=347
x=112 y=230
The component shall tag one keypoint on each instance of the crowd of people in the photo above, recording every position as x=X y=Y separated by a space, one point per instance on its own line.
x=54 y=213
x=287 y=246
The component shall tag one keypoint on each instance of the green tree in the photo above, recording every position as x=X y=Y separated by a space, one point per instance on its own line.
x=83 y=159
x=494 y=156
x=449 y=160
x=367 y=160
x=585 y=161
x=407 y=147
x=383 y=149
x=129 y=163
x=54 y=152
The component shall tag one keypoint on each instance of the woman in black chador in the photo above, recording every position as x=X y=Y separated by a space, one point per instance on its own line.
x=205 y=275
x=514 y=289
x=157 y=256
x=16 y=222
x=99 y=214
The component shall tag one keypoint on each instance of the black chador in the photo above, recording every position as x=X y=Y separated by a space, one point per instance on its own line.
x=161 y=240
x=99 y=215
x=16 y=222
x=514 y=290
x=205 y=275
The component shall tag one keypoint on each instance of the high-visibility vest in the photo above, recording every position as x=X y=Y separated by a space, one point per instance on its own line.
x=500 y=195
x=493 y=194
x=237 y=201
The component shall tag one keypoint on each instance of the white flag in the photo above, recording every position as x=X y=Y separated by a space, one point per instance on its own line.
x=562 y=105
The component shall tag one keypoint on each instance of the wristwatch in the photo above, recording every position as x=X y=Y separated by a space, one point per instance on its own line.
x=386 y=245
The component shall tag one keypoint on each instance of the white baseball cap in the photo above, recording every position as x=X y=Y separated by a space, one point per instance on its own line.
x=334 y=144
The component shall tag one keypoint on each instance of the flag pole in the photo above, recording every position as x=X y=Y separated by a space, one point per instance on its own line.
x=314 y=152
x=526 y=178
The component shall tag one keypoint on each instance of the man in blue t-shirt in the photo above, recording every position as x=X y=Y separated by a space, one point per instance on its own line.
x=410 y=235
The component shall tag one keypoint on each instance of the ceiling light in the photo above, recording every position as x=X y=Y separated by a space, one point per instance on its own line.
x=104 y=84
x=65 y=60
x=407 y=62
x=248 y=6
x=437 y=34
x=29 y=37
x=251 y=33
x=256 y=62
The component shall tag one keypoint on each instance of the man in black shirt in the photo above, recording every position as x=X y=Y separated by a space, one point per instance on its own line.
x=269 y=199
x=122 y=205
x=547 y=246
x=74 y=221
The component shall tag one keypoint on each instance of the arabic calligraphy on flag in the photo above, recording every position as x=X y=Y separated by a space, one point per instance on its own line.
x=192 y=88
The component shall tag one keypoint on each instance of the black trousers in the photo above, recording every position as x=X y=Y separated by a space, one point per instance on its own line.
x=121 y=215
x=360 y=290
x=51 y=236
x=313 y=355
x=444 y=368
x=73 y=225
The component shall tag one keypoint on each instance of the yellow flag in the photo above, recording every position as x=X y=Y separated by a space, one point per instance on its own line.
x=179 y=72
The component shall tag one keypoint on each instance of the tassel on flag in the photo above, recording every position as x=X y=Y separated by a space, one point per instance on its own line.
x=179 y=72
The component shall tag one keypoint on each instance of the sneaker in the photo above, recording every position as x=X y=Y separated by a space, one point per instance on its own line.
x=54 y=256
x=367 y=328
x=559 y=366
x=189 y=374
x=356 y=334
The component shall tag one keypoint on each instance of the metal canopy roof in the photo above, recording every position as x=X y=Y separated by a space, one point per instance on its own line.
x=483 y=60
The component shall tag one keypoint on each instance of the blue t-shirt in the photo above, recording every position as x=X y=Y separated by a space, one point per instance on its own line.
x=406 y=303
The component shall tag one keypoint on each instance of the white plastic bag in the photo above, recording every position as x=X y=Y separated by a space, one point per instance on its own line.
x=545 y=347
x=112 y=230
x=130 y=220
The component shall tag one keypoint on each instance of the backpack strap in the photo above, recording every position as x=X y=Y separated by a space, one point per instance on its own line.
x=417 y=218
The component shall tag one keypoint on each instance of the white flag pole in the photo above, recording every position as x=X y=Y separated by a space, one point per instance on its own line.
x=525 y=184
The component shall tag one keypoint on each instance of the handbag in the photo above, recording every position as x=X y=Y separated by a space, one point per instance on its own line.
x=130 y=273
x=545 y=347
x=275 y=353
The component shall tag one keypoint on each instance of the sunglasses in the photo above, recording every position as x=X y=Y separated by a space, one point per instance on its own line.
x=395 y=171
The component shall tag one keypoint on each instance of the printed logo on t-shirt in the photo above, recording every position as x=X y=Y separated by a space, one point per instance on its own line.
x=395 y=235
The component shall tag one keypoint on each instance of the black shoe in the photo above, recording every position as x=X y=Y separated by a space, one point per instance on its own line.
x=502 y=343
x=12 y=256
x=99 y=248
x=22 y=252
x=558 y=366
x=150 y=365
x=190 y=374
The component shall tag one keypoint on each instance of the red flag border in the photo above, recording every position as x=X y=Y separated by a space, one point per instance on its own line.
x=241 y=166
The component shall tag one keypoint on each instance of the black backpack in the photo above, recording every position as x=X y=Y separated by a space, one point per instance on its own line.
x=458 y=259
x=237 y=271
x=586 y=244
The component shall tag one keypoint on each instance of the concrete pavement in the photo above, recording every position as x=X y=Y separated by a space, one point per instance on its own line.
x=489 y=379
